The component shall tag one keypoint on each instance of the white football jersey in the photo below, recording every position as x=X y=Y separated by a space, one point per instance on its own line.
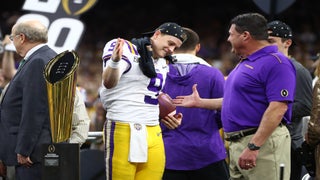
x=134 y=98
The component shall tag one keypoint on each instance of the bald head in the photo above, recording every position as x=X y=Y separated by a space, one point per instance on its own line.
x=34 y=31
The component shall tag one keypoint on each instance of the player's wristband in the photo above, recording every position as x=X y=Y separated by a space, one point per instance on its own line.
x=114 y=65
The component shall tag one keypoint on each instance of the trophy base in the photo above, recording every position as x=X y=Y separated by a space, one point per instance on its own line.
x=60 y=161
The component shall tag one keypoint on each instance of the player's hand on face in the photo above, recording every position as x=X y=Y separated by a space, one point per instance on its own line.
x=118 y=50
x=172 y=121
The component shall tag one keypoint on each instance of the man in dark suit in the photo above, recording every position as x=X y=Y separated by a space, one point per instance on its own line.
x=24 y=122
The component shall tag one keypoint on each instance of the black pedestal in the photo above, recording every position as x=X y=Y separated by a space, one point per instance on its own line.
x=60 y=161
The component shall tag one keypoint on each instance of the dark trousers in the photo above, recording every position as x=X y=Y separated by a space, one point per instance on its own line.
x=31 y=173
x=217 y=171
x=296 y=165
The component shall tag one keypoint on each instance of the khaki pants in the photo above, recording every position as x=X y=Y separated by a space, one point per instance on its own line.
x=275 y=151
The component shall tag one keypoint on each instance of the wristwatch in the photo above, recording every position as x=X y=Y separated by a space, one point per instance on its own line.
x=253 y=147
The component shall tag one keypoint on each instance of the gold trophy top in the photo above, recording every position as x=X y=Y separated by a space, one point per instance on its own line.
x=61 y=78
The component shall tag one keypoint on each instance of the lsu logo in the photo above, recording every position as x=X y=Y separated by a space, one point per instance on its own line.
x=68 y=6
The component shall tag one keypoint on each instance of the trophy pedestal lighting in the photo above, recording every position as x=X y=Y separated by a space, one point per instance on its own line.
x=60 y=160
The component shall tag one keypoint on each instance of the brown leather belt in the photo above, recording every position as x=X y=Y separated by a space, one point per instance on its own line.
x=235 y=136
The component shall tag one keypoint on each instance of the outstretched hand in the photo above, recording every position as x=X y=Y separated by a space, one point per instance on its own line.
x=191 y=100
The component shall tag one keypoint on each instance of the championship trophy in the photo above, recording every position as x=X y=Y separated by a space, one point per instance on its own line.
x=61 y=159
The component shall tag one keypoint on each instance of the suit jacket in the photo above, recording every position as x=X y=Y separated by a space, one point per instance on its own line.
x=24 y=122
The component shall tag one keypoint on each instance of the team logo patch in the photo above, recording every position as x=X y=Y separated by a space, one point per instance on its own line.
x=137 y=126
x=136 y=59
x=284 y=93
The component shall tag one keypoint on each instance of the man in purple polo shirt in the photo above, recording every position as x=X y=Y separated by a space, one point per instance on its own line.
x=258 y=99
x=257 y=102
x=194 y=150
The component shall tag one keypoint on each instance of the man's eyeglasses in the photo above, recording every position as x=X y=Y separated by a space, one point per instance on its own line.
x=13 y=36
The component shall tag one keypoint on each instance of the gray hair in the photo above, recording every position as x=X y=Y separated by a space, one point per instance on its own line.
x=33 y=30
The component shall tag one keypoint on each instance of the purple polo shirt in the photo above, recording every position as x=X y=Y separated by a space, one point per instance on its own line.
x=265 y=76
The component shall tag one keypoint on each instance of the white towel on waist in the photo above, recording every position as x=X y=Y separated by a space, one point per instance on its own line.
x=138 y=151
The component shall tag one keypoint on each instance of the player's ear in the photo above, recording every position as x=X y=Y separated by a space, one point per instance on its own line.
x=198 y=46
x=288 y=43
x=157 y=33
